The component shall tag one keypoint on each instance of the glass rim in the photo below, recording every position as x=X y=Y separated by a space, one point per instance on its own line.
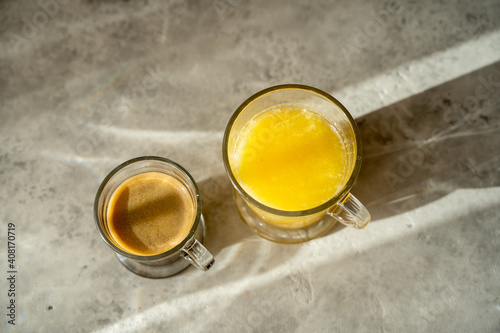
x=339 y=196
x=162 y=255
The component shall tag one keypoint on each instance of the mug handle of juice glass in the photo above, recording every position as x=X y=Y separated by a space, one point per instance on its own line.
x=350 y=212
x=198 y=255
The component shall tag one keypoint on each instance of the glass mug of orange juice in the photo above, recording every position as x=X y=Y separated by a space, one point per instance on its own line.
x=292 y=153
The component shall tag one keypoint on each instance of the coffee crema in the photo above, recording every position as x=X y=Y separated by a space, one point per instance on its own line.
x=150 y=213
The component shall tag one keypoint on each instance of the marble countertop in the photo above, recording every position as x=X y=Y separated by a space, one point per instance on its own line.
x=86 y=85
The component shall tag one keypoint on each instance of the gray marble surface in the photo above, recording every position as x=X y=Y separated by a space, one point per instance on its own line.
x=86 y=85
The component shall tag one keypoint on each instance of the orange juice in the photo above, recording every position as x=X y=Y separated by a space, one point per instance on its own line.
x=290 y=158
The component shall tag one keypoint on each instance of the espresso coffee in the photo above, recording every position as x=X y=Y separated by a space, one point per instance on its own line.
x=150 y=213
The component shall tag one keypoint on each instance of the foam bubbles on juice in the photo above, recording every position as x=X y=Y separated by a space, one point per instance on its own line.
x=301 y=168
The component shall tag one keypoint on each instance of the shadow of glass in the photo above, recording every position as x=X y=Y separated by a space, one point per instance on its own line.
x=223 y=225
x=433 y=143
x=240 y=252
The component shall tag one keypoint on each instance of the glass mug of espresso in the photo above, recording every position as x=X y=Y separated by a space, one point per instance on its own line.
x=148 y=211
x=293 y=153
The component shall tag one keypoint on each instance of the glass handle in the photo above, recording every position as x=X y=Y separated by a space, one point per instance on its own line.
x=198 y=255
x=351 y=212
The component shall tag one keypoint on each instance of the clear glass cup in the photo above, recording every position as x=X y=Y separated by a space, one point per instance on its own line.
x=297 y=226
x=188 y=251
